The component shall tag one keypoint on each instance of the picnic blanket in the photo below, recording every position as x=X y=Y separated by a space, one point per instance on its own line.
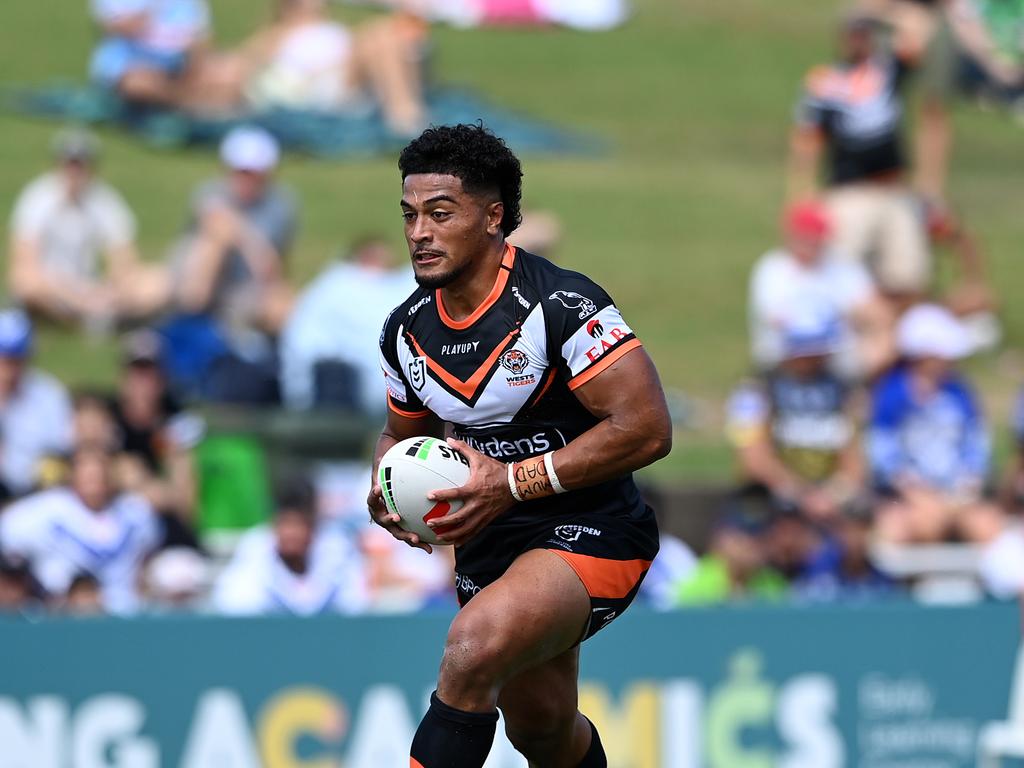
x=321 y=134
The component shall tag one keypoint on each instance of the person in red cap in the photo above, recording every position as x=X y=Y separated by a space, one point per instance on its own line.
x=807 y=272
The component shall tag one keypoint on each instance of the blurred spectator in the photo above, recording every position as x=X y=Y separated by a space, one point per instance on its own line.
x=734 y=568
x=928 y=443
x=85 y=527
x=1013 y=484
x=674 y=564
x=157 y=52
x=840 y=568
x=242 y=225
x=84 y=596
x=403 y=579
x=35 y=410
x=853 y=111
x=539 y=233
x=155 y=437
x=63 y=223
x=176 y=580
x=292 y=566
x=795 y=428
x=16 y=585
x=578 y=14
x=808 y=272
x=789 y=541
x=306 y=60
x=329 y=353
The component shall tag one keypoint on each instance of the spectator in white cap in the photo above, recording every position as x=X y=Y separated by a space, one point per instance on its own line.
x=35 y=410
x=928 y=443
x=231 y=262
x=794 y=428
x=73 y=257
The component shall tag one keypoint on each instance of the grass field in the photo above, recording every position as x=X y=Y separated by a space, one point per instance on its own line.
x=695 y=98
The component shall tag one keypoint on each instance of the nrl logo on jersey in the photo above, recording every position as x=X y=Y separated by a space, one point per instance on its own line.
x=417 y=373
x=571 y=300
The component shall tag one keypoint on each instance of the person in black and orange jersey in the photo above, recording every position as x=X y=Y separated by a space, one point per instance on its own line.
x=548 y=392
x=852 y=114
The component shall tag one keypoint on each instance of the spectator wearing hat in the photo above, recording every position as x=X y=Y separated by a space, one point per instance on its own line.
x=807 y=270
x=851 y=114
x=35 y=409
x=794 y=429
x=86 y=526
x=73 y=255
x=928 y=443
x=231 y=263
x=293 y=566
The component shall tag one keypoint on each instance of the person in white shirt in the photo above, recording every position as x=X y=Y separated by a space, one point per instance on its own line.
x=72 y=246
x=293 y=566
x=806 y=273
x=86 y=527
x=35 y=410
x=338 y=318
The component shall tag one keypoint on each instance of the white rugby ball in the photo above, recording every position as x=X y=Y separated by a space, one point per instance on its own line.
x=410 y=470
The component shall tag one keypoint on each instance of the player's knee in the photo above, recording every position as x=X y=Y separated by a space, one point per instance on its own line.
x=548 y=720
x=476 y=651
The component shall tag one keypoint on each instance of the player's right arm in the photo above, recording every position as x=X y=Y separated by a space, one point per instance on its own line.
x=407 y=417
x=807 y=141
x=397 y=428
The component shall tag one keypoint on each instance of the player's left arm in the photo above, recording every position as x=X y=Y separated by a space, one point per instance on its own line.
x=634 y=428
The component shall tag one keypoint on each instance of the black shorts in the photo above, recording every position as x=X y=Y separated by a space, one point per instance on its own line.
x=610 y=554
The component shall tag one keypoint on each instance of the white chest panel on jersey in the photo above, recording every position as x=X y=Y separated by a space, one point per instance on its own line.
x=520 y=371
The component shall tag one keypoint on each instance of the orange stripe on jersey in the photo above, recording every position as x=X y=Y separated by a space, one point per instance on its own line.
x=406 y=414
x=469 y=387
x=414 y=763
x=610 y=579
x=496 y=290
x=603 y=363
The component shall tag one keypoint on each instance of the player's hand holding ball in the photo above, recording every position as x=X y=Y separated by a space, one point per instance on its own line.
x=430 y=491
x=484 y=496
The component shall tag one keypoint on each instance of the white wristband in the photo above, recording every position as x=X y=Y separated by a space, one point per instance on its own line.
x=512 y=482
x=549 y=465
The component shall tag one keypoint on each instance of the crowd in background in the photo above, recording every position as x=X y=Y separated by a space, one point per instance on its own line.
x=858 y=430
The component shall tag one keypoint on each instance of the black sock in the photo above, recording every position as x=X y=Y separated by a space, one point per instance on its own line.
x=450 y=738
x=595 y=757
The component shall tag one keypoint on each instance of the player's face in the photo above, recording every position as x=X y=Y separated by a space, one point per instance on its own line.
x=446 y=227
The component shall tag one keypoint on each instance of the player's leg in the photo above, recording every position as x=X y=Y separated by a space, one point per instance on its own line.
x=535 y=612
x=542 y=719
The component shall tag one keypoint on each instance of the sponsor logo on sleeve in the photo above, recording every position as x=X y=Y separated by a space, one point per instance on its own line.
x=572 y=300
x=615 y=335
x=519 y=297
x=419 y=305
x=417 y=373
x=595 y=329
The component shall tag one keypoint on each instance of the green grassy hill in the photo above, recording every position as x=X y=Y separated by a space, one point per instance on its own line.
x=695 y=97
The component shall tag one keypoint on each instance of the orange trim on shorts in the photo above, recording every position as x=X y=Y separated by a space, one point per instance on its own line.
x=414 y=763
x=497 y=289
x=612 y=579
x=406 y=414
x=603 y=363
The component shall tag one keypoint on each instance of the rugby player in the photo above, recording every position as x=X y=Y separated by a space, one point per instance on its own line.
x=535 y=378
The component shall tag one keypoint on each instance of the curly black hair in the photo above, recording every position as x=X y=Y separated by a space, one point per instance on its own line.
x=473 y=154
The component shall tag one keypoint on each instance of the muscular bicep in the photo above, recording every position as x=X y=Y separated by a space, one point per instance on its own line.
x=630 y=392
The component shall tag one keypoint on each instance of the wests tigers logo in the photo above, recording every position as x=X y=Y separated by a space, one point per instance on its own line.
x=514 y=361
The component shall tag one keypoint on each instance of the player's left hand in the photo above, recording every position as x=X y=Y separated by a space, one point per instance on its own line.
x=484 y=496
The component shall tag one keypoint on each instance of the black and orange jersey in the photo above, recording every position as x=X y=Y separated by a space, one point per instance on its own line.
x=503 y=378
x=859 y=110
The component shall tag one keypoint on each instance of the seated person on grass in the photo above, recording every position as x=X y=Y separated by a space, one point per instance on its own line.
x=928 y=443
x=794 y=429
